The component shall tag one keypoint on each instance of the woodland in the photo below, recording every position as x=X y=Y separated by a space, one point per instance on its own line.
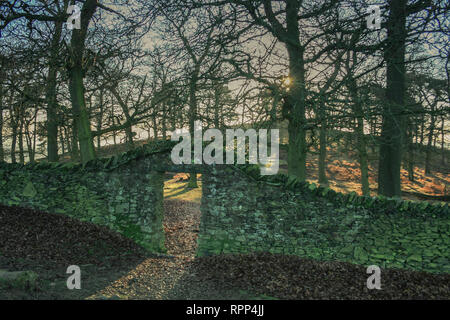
x=359 y=91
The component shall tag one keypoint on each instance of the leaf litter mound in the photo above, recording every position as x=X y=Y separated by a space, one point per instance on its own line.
x=291 y=277
x=58 y=239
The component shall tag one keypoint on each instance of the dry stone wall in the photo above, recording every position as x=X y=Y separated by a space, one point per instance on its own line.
x=244 y=212
x=124 y=193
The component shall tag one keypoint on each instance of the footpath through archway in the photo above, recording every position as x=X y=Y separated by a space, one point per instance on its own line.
x=174 y=275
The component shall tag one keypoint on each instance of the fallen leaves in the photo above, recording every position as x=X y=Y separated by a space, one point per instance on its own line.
x=59 y=239
x=290 y=277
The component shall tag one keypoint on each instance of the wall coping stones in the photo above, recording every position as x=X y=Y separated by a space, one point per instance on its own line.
x=390 y=204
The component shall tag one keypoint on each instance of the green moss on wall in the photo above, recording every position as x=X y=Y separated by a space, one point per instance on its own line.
x=123 y=192
x=241 y=214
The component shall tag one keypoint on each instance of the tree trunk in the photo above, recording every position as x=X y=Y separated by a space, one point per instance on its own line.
x=75 y=149
x=216 y=105
x=76 y=86
x=67 y=137
x=374 y=134
x=430 y=142
x=323 y=146
x=30 y=137
x=61 y=141
x=192 y=117
x=113 y=122
x=20 y=134
x=295 y=102
x=363 y=158
x=129 y=123
x=163 y=121
x=35 y=135
x=52 y=117
x=100 y=118
x=81 y=117
x=359 y=129
x=13 y=125
x=155 y=128
x=410 y=161
x=392 y=126
x=297 y=148
x=13 y=143
x=422 y=131
x=129 y=134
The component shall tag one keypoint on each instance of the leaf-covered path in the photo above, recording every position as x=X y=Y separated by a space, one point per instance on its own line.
x=156 y=277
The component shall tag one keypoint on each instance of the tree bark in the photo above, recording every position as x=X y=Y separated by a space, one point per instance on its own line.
x=100 y=118
x=52 y=117
x=297 y=148
x=322 y=146
x=20 y=138
x=76 y=86
x=410 y=161
x=155 y=128
x=192 y=117
x=390 y=153
x=430 y=142
x=75 y=149
x=164 y=122
x=81 y=116
x=357 y=109
x=61 y=141
x=13 y=120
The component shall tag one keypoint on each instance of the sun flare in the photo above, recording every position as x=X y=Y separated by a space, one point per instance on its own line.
x=287 y=81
